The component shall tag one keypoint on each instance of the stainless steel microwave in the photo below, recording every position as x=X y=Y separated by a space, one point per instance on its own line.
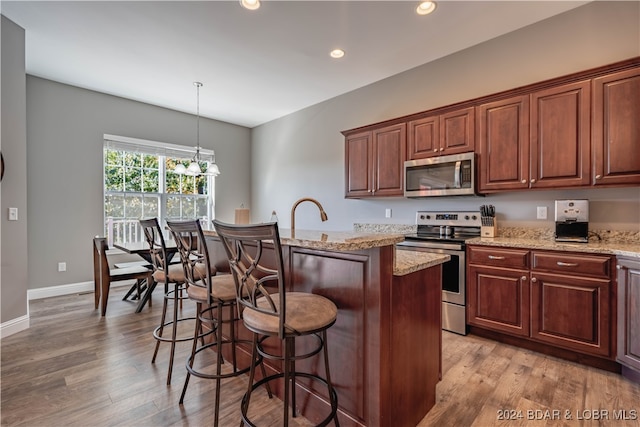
x=452 y=175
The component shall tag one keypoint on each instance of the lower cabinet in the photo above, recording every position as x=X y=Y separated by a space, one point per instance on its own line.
x=571 y=312
x=628 y=352
x=562 y=299
x=498 y=290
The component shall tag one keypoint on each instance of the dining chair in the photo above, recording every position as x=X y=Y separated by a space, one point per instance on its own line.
x=166 y=272
x=103 y=274
x=270 y=311
x=213 y=295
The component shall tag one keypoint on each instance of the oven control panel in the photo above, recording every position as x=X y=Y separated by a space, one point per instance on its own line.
x=466 y=218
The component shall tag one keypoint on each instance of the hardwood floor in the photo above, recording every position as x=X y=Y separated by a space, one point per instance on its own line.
x=74 y=368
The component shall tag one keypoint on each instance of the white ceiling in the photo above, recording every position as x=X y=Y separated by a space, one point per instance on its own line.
x=256 y=66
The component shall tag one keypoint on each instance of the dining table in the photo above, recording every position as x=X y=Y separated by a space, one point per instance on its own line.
x=142 y=249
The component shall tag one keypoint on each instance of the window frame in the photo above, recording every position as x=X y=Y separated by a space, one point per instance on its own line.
x=162 y=151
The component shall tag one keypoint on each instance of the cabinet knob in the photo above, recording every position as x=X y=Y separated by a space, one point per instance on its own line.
x=533 y=181
x=441 y=148
x=524 y=181
x=523 y=278
x=598 y=176
x=435 y=150
x=619 y=267
x=534 y=280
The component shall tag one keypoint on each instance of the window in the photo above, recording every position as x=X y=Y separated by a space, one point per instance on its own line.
x=139 y=182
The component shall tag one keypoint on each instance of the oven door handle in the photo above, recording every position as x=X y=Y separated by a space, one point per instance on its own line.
x=421 y=246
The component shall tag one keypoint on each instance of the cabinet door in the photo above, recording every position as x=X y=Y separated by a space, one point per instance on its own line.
x=503 y=144
x=457 y=131
x=629 y=313
x=616 y=128
x=423 y=138
x=571 y=312
x=498 y=299
x=358 y=161
x=560 y=136
x=389 y=153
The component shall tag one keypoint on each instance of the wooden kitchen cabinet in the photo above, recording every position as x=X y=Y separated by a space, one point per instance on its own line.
x=498 y=289
x=616 y=128
x=563 y=299
x=375 y=162
x=561 y=136
x=628 y=353
x=439 y=134
x=503 y=144
x=537 y=140
x=572 y=301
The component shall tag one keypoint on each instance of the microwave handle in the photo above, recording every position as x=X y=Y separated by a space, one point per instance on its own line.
x=456 y=182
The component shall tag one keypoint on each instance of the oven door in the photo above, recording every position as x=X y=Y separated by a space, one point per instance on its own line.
x=453 y=271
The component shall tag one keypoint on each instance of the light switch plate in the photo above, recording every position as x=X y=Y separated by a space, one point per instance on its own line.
x=13 y=214
x=387 y=213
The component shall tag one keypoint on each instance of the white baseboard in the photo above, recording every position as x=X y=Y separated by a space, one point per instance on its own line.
x=14 y=326
x=55 y=291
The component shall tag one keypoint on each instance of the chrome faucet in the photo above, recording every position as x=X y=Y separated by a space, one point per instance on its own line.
x=323 y=214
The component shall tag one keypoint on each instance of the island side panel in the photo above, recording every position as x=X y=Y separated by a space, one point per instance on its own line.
x=416 y=343
x=355 y=281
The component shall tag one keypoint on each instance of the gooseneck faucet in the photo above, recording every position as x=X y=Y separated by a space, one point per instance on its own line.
x=323 y=214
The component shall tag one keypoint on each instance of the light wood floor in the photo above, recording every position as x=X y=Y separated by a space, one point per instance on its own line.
x=74 y=368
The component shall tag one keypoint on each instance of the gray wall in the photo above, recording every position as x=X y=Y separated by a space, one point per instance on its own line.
x=66 y=125
x=13 y=190
x=303 y=154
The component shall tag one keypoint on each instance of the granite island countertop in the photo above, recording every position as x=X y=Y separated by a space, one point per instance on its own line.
x=628 y=249
x=405 y=261
x=333 y=240
x=411 y=261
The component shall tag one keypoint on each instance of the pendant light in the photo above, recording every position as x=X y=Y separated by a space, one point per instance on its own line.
x=194 y=166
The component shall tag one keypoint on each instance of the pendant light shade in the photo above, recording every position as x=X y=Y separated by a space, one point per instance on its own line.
x=194 y=167
x=213 y=170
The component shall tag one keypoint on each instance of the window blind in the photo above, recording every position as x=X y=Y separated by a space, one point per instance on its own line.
x=175 y=151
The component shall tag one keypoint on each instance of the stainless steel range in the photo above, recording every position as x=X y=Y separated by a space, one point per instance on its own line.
x=446 y=233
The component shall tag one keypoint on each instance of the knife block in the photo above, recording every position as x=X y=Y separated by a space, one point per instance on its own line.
x=489 y=230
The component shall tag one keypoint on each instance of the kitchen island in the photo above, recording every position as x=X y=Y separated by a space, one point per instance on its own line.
x=385 y=347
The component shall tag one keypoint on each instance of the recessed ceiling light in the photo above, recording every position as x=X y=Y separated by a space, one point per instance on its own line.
x=426 y=7
x=250 y=4
x=337 y=53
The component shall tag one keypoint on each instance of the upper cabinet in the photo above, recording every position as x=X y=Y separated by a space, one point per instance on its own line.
x=503 y=144
x=580 y=130
x=560 y=136
x=616 y=128
x=541 y=140
x=439 y=134
x=375 y=162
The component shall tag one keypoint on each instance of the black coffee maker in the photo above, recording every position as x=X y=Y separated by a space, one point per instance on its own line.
x=572 y=221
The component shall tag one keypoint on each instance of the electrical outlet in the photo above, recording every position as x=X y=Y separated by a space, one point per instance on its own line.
x=387 y=213
x=13 y=214
x=62 y=266
x=542 y=212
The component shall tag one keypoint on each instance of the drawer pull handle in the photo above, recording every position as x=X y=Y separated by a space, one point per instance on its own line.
x=495 y=257
x=567 y=264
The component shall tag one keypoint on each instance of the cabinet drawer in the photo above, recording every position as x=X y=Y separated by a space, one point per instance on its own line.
x=583 y=265
x=498 y=257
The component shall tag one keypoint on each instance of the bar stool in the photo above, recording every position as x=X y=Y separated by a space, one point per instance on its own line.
x=212 y=294
x=167 y=273
x=281 y=314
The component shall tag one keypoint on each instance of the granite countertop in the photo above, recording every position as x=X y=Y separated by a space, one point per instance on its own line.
x=628 y=249
x=410 y=261
x=333 y=240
